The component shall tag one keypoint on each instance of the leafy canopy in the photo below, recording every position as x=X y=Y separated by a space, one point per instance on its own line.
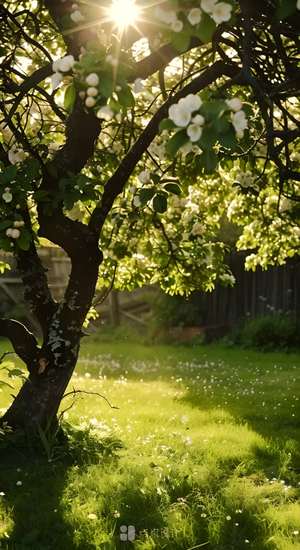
x=175 y=137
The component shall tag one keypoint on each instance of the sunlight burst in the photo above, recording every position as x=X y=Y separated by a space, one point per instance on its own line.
x=124 y=13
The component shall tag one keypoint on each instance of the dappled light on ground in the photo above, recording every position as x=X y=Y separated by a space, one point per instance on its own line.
x=203 y=449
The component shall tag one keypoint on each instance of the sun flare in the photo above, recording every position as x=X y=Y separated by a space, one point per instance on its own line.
x=124 y=13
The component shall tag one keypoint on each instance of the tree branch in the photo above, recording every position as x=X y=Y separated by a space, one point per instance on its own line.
x=23 y=341
x=116 y=183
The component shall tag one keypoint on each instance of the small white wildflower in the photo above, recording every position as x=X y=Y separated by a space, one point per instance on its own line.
x=92 y=516
x=194 y=16
x=228 y=518
x=92 y=79
x=19 y=483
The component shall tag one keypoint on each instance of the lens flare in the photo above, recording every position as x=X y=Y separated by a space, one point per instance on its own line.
x=124 y=13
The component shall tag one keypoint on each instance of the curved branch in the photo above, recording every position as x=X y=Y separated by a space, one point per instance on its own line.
x=116 y=183
x=22 y=340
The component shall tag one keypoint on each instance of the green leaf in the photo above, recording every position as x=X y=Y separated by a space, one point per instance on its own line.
x=155 y=178
x=9 y=174
x=228 y=139
x=210 y=160
x=181 y=40
x=126 y=97
x=70 y=96
x=15 y=372
x=176 y=141
x=24 y=240
x=166 y=124
x=285 y=8
x=208 y=138
x=106 y=85
x=205 y=29
x=160 y=203
x=145 y=195
x=5 y=224
x=5 y=384
x=172 y=188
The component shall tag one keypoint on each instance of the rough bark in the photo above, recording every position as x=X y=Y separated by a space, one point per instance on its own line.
x=36 y=405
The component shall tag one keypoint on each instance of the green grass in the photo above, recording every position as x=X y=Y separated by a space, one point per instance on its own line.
x=202 y=452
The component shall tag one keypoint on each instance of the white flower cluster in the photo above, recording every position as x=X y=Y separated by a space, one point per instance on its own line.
x=76 y=14
x=238 y=117
x=60 y=66
x=16 y=154
x=181 y=114
x=220 y=12
x=7 y=196
x=14 y=232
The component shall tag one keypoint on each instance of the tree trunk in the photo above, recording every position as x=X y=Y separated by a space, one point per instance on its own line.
x=36 y=405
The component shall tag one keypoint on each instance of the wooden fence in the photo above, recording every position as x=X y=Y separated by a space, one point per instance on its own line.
x=255 y=293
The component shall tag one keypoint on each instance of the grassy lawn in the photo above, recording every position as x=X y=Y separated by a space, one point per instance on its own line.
x=203 y=451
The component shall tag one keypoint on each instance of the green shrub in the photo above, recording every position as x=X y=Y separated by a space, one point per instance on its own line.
x=270 y=332
x=176 y=311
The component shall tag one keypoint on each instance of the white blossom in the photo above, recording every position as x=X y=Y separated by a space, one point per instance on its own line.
x=64 y=64
x=177 y=25
x=138 y=86
x=191 y=102
x=77 y=16
x=197 y=229
x=90 y=101
x=179 y=115
x=239 y=122
x=194 y=132
x=92 y=79
x=92 y=91
x=194 y=16
x=136 y=201
x=105 y=112
x=15 y=233
x=16 y=154
x=56 y=79
x=198 y=119
x=221 y=12
x=208 y=5
x=144 y=176
x=165 y=16
x=235 y=104
x=298 y=5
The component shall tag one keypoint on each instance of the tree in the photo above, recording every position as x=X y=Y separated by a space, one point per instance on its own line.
x=130 y=135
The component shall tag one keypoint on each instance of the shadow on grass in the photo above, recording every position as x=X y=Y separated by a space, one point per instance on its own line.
x=33 y=484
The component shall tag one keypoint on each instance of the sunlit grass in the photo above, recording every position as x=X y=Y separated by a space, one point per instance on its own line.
x=202 y=450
